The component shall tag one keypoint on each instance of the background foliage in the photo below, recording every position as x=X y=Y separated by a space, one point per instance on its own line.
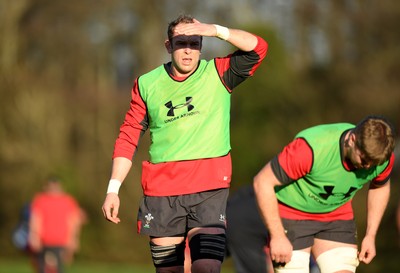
x=66 y=69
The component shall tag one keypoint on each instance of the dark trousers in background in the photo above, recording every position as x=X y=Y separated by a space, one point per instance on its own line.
x=50 y=260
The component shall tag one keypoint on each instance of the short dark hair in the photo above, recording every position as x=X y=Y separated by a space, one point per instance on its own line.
x=183 y=18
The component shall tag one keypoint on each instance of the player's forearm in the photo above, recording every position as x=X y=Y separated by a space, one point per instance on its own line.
x=120 y=168
x=119 y=171
x=243 y=40
x=267 y=202
x=377 y=201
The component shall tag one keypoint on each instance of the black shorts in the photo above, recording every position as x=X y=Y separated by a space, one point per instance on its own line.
x=174 y=215
x=301 y=233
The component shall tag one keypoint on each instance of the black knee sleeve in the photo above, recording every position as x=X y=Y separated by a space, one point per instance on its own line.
x=207 y=246
x=165 y=256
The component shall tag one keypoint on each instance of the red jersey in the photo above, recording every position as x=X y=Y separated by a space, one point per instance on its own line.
x=55 y=213
x=185 y=177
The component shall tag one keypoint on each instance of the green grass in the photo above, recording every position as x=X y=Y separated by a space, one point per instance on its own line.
x=387 y=262
x=24 y=266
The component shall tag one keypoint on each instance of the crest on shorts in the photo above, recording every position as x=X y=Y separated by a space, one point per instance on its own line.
x=148 y=218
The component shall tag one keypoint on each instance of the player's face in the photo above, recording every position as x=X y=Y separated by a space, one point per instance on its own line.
x=185 y=54
x=358 y=159
x=355 y=156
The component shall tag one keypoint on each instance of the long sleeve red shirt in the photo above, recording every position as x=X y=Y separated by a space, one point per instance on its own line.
x=185 y=177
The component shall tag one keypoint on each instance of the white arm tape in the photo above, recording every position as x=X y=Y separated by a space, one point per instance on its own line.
x=113 y=186
x=222 y=32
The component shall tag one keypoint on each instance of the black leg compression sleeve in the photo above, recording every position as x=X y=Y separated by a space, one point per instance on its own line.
x=165 y=256
x=208 y=246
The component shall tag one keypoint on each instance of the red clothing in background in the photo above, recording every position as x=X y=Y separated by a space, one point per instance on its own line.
x=55 y=214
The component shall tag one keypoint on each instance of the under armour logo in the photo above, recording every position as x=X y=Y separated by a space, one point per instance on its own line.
x=172 y=107
x=329 y=192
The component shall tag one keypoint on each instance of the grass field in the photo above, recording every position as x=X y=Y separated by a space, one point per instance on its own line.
x=23 y=266
x=385 y=263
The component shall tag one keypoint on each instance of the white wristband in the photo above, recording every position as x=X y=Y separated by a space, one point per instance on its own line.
x=113 y=186
x=222 y=32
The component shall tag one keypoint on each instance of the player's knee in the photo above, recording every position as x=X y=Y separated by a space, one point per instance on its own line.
x=337 y=259
x=167 y=256
x=299 y=263
x=207 y=246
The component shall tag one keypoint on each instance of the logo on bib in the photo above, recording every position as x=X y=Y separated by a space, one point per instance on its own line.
x=172 y=108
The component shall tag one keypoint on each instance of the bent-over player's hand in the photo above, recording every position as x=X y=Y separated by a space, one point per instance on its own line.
x=281 y=250
x=110 y=207
x=367 y=250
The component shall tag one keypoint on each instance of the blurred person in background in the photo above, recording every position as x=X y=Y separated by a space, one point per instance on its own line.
x=186 y=105
x=21 y=231
x=54 y=227
x=247 y=236
x=305 y=194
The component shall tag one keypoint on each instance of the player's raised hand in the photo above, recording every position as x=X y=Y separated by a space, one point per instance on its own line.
x=196 y=28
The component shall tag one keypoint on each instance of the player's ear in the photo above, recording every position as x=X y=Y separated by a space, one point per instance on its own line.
x=168 y=46
x=352 y=139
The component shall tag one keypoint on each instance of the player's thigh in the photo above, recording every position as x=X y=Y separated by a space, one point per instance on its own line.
x=165 y=241
x=335 y=234
x=335 y=257
x=205 y=230
x=320 y=246
x=299 y=263
x=207 y=244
